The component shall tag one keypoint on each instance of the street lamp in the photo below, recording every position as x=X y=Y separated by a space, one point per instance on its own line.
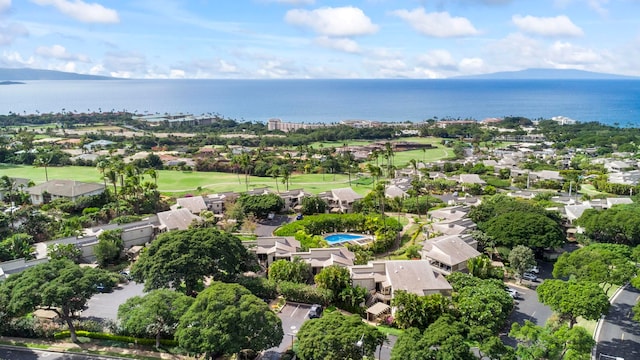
x=360 y=344
x=294 y=331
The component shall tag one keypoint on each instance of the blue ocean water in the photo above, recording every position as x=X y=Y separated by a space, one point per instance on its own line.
x=606 y=101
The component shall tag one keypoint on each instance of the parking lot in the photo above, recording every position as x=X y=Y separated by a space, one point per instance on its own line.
x=104 y=306
x=293 y=316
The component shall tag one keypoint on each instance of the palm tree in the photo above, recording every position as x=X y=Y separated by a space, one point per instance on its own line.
x=388 y=154
x=274 y=172
x=375 y=172
x=286 y=175
x=245 y=163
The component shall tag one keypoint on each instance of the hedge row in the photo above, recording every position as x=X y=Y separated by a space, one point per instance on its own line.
x=105 y=336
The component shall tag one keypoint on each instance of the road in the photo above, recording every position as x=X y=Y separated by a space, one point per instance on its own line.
x=11 y=353
x=619 y=335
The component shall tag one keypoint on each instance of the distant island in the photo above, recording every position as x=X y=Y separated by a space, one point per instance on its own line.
x=547 y=74
x=10 y=83
x=38 y=74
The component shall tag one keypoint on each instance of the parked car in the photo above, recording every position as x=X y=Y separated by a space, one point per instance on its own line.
x=513 y=292
x=299 y=217
x=315 y=311
x=530 y=276
x=101 y=288
x=534 y=270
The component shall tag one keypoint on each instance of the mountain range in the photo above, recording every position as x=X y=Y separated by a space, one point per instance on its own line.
x=38 y=74
x=528 y=74
x=547 y=74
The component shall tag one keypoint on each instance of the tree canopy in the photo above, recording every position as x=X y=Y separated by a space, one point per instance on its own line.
x=571 y=299
x=59 y=285
x=608 y=264
x=521 y=259
x=551 y=342
x=225 y=319
x=155 y=314
x=442 y=340
x=417 y=311
x=335 y=336
x=619 y=224
x=261 y=205
x=181 y=259
x=297 y=271
x=513 y=222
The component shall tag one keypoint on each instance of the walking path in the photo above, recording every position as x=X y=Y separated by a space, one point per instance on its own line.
x=133 y=351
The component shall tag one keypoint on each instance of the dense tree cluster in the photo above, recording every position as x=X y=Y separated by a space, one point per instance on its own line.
x=513 y=222
x=181 y=259
x=619 y=224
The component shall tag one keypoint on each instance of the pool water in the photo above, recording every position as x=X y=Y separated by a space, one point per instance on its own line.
x=340 y=238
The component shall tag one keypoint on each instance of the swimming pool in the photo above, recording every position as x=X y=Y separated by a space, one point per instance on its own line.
x=344 y=237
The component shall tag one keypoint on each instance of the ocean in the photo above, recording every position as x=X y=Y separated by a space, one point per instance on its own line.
x=613 y=102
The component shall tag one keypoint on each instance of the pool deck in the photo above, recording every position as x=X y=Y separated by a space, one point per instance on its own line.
x=363 y=240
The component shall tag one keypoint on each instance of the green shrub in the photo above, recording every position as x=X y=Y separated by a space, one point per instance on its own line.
x=304 y=293
x=259 y=286
x=111 y=337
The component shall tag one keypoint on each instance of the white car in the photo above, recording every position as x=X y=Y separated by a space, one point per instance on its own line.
x=529 y=276
x=514 y=294
x=534 y=270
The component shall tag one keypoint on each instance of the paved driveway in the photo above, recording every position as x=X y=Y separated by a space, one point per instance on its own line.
x=104 y=306
x=292 y=316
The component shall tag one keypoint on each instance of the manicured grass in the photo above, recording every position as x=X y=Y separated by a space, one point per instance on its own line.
x=178 y=183
x=387 y=330
x=589 y=190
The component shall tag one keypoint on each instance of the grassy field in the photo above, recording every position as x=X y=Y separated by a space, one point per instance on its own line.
x=182 y=182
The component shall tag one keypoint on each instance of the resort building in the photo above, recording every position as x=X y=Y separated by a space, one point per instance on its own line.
x=340 y=200
x=320 y=258
x=179 y=219
x=63 y=189
x=279 y=125
x=449 y=253
x=194 y=204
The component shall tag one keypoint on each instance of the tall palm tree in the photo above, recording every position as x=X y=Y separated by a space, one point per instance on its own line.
x=286 y=175
x=274 y=172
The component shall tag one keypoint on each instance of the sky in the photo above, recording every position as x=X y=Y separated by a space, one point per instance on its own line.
x=267 y=39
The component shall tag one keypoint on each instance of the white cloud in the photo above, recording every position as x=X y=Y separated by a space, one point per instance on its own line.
x=328 y=21
x=14 y=59
x=60 y=53
x=340 y=44
x=82 y=11
x=4 y=5
x=568 y=54
x=472 y=66
x=276 y=69
x=599 y=6
x=227 y=68
x=437 y=24
x=547 y=26
x=177 y=74
x=10 y=32
x=438 y=59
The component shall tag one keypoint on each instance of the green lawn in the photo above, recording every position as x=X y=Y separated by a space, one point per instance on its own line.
x=181 y=182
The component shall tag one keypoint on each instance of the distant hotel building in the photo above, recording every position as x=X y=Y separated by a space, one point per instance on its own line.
x=172 y=119
x=563 y=120
x=277 y=124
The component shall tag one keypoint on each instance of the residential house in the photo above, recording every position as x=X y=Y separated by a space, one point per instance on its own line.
x=320 y=258
x=453 y=227
x=194 y=204
x=270 y=249
x=216 y=202
x=573 y=212
x=340 y=200
x=394 y=191
x=293 y=199
x=448 y=253
x=179 y=219
x=618 y=201
x=470 y=179
x=18 y=185
x=449 y=213
x=631 y=177
x=63 y=189
x=618 y=165
x=384 y=278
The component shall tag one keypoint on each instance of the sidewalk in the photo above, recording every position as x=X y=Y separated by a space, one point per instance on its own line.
x=89 y=348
